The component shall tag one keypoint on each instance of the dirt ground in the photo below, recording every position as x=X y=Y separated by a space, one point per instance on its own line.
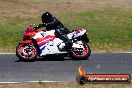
x=64 y=85
x=31 y=8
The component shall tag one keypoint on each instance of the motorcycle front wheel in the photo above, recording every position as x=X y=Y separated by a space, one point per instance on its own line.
x=26 y=52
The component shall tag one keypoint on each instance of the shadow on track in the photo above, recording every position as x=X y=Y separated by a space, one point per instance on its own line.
x=53 y=58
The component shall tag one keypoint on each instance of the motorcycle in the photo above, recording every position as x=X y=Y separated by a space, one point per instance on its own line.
x=41 y=43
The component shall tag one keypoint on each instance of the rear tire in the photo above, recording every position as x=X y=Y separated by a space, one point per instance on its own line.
x=85 y=55
x=24 y=53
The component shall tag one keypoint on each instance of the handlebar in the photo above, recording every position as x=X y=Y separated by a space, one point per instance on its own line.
x=39 y=26
x=36 y=27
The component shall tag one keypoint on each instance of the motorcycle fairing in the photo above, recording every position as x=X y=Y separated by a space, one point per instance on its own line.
x=48 y=42
x=27 y=41
x=51 y=47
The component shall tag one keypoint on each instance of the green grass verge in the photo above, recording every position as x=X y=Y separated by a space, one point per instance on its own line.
x=109 y=28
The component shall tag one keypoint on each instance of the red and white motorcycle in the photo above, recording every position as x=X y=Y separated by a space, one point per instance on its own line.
x=41 y=43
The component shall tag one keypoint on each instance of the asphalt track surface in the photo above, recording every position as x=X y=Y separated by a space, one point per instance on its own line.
x=60 y=69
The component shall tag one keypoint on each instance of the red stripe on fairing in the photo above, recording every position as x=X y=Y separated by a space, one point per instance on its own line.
x=44 y=40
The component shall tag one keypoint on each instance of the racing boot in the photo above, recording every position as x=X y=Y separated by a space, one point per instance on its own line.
x=68 y=45
x=65 y=46
x=67 y=41
x=61 y=46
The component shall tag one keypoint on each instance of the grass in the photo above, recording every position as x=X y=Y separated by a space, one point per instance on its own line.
x=64 y=85
x=109 y=29
x=109 y=25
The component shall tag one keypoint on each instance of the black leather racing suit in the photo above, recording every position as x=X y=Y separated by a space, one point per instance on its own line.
x=60 y=30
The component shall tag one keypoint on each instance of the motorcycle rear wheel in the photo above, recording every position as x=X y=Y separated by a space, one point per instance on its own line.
x=81 y=54
x=26 y=52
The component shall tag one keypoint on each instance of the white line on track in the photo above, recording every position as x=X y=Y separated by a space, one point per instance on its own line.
x=109 y=52
x=9 y=82
x=34 y=82
x=92 y=52
x=43 y=81
x=7 y=53
x=127 y=52
x=30 y=82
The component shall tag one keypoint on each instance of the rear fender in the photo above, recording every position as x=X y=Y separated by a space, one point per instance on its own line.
x=83 y=36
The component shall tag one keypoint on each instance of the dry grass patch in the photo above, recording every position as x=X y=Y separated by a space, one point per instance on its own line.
x=31 y=8
x=64 y=85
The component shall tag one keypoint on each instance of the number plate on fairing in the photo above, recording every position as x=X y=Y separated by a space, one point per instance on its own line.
x=76 y=45
x=80 y=42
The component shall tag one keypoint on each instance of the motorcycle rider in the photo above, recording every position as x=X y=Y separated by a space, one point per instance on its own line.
x=52 y=23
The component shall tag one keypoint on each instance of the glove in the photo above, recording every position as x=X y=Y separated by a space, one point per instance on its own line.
x=44 y=24
x=36 y=27
x=40 y=25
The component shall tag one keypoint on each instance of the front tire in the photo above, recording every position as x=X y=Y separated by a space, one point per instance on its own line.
x=26 y=52
x=81 y=54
